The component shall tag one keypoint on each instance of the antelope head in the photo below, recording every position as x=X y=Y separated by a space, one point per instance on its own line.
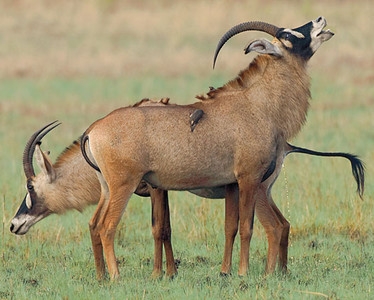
x=34 y=206
x=302 y=41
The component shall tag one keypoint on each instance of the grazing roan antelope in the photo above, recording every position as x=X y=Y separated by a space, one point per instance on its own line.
x=71 y=183
x=75 y=186
x=241 y=138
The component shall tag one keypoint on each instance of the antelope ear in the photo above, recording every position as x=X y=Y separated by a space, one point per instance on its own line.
x=263 y=46
x=45 y=163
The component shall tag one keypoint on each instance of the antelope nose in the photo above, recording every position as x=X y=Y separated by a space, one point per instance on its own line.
x=11 y=227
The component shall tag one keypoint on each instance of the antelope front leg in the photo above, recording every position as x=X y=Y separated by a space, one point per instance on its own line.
x=246 y=215
x=231 y=225
x=118 y=200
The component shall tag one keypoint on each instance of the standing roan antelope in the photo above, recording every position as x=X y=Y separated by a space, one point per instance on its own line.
x=160 y=207
x=240 y=138
x=79 y=194
x=75 y=186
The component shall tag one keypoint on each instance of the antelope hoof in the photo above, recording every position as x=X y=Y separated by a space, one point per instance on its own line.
x=171 y=275
x=156 y=274
x=101 y=276
x=114 y=277
x=284 y=270
x=224 y=274
x=269 y=272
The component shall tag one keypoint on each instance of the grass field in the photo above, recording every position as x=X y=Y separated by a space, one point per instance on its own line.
x=76 y=61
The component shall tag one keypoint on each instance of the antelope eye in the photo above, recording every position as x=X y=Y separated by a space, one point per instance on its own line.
x=30 y=187
x=287 y=36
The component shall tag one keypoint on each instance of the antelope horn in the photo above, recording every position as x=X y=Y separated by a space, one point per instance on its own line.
x=28 y=153
x=254 y=25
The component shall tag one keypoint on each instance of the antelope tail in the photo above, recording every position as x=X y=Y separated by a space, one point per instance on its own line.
x=358 y=168
x=84 y=139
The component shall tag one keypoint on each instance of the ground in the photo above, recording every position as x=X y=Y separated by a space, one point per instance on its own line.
x=77 y=61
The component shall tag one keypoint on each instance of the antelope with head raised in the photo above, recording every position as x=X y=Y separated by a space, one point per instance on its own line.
x=240 y=139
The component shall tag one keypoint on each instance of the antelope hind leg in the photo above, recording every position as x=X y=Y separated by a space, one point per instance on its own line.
x=171 y=269
x=273 y=228
x=247 y=190
x=283 y=248
x=157 y=226
x=97 y=246
x=161 y=232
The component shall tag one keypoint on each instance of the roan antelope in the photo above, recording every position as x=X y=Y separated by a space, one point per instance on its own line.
x=241 y=138
x=75 y=186
x=26 y=217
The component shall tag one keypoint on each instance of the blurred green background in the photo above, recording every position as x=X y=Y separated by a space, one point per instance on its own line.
x=75 y=61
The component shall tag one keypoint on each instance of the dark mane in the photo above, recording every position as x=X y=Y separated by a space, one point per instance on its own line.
x=69 y=151
x=244 y=79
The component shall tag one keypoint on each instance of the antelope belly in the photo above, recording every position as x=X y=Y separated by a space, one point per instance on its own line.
x=187 y=182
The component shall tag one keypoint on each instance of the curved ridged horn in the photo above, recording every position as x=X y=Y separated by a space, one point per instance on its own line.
x=254 y=25
x=28 y=153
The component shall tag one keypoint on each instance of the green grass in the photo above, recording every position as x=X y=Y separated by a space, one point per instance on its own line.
x=331 y=242
x=62 y=63
x=55 y=260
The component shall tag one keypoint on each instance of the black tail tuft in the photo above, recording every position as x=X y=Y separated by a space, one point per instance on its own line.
x=358 y=168
x=84 y=139
x=358 y=171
